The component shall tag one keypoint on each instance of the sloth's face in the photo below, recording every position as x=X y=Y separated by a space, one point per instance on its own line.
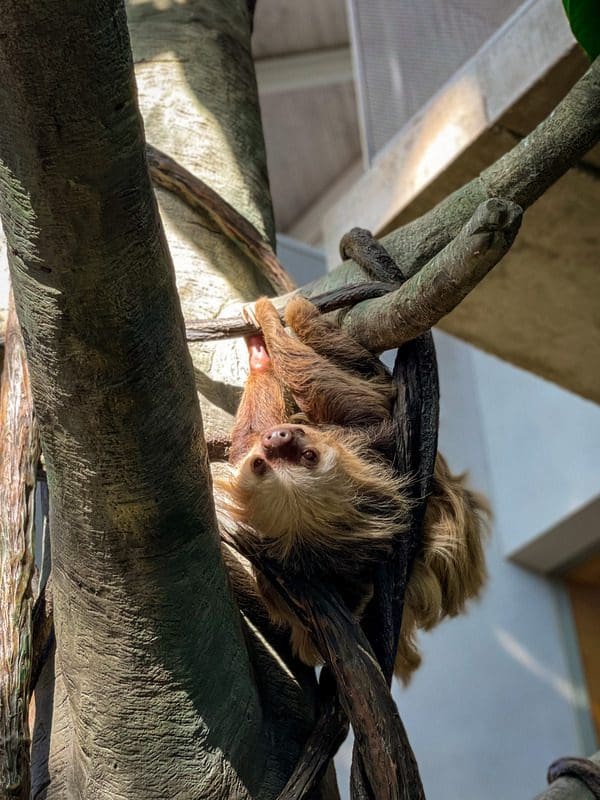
x=315 y=486
x=291 y=474
x=288 y=448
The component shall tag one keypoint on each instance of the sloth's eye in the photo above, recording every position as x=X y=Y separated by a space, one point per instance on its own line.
x=258 y=466
x=310 y=456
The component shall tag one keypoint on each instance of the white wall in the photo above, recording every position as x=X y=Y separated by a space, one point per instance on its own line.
x=545 y=442
x=497 y=698
x=303 y=262
x=499 y=695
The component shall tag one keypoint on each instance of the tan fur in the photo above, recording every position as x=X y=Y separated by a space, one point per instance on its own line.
x=335 y=519
x=450 y=569
x=323 y=508
x=345 y=511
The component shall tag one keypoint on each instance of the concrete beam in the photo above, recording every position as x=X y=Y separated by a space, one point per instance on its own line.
x=565 y=543
x=304 y=70
x=519 y=55
x=308 y=227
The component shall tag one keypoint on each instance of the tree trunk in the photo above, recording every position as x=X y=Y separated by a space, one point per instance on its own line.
x=19 y=455
x=197 y=94
x=163 y=697
x=158 y=686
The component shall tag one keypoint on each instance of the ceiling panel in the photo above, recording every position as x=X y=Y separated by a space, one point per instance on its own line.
x=312 y=137
x=288 y=26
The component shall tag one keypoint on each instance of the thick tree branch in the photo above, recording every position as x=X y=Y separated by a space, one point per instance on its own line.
x=231 y=327
x=386 y=754
x=137 y=573
x=441 y=284
x=19 y=454
x=323 y=743
x=363 y=692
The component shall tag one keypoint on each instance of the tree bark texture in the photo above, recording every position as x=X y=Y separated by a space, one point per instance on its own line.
x=19 y=454
x=440 y=285
x=4 y=293
x=142 y=607
x=198 y=97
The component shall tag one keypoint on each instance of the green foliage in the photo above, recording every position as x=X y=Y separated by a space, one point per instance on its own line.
x=584 y=19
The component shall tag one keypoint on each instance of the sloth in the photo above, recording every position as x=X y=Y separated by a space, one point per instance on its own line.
x=309 y=482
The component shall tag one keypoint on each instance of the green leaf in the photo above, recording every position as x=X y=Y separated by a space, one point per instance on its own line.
x=584 y=19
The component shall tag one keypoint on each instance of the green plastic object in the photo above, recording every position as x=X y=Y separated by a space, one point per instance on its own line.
x=584 y=19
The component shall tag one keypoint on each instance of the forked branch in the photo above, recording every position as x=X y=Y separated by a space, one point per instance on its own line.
x=386 y=315
x=420 y=303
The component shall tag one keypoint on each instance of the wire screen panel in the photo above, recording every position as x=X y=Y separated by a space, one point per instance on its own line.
x=406 y=50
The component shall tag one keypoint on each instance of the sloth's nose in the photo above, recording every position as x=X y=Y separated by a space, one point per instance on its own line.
x=278 y=437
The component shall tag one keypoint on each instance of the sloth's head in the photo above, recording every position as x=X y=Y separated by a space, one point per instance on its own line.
x=289 y=453
x=302 y=486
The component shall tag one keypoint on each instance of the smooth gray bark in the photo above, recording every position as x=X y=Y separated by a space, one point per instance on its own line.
x=439 y=286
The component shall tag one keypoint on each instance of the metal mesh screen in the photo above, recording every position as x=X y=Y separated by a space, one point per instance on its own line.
x=407 y=49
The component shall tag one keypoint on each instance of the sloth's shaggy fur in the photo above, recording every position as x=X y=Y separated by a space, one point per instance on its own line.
x=327 y=504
